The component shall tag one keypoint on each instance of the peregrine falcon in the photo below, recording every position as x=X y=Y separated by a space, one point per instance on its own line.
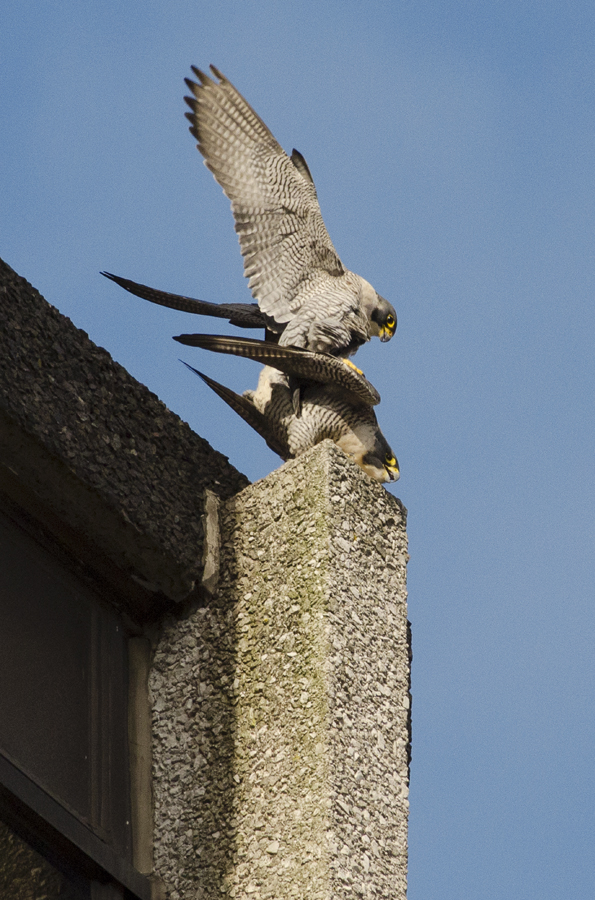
x=294 y=271
x=326 y=413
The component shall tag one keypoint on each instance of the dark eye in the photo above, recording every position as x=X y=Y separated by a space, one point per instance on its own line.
x=390 y=321
x=389 y=460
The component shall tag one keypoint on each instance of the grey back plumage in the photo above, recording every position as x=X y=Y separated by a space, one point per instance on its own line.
x=327 y=411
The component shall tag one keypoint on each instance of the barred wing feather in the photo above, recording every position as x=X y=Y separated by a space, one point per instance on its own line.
x=282 y=235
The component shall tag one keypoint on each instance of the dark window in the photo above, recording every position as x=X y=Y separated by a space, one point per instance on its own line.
x=63 y=719
x=63 y=685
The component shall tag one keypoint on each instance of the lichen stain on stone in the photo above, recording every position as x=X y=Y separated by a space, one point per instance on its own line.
x=297 y=786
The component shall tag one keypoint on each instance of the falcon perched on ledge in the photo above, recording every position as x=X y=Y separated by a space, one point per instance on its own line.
x=293 y=269
x=327 y=411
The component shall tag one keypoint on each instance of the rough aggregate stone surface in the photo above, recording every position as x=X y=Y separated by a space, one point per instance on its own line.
x=70 y=416
x=281 y=711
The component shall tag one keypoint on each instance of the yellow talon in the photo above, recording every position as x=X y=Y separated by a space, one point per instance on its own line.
x=352 y=365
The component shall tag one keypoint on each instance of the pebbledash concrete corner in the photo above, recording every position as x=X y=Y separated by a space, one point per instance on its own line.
x=269 y=651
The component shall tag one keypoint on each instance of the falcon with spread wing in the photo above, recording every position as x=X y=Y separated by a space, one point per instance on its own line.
x=294 y=271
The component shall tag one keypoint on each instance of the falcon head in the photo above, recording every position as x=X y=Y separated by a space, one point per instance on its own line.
x=384 y=318
x=368 y=447
x=380 y=467
x=380 y=313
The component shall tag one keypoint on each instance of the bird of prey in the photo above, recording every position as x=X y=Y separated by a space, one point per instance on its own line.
x=294 y=272
x=327 y=412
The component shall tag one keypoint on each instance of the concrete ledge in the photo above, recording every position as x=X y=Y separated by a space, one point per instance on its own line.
x=281 y=712
x=81 y=440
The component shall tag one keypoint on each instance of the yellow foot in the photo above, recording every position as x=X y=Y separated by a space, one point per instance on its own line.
x=352 y=365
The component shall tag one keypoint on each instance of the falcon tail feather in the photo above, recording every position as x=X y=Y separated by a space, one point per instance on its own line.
x=244 y=315
x=246 y=410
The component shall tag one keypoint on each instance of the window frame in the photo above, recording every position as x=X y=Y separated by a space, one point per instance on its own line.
x=46 y=822
x=57 y=834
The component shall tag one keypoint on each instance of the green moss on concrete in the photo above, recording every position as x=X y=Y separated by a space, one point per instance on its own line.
x=286 y=715
x=281 y=698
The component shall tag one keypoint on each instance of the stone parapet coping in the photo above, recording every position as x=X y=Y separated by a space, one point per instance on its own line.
x=87 y=450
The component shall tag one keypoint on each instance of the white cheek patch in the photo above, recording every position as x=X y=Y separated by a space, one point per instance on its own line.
x=356 y=444
x=352 y=446
x=378 y=474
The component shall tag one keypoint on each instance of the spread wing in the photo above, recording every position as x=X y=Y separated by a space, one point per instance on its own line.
x=283 y=238
x=303 y=364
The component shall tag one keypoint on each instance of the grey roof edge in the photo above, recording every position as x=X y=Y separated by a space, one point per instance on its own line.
x=83 y=444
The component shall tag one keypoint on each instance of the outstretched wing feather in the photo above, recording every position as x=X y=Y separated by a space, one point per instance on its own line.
x=277 y=215
x=244 y=315
x=303 y=364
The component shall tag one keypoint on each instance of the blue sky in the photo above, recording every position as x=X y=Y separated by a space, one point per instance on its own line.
x=452 y=146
